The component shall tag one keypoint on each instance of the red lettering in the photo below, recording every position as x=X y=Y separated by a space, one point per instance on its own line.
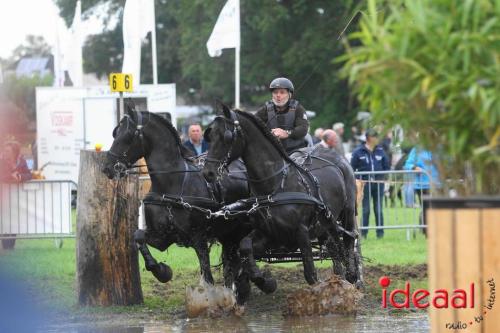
x=416 y=298
x=405 y=292
x=459 y=294
x=472 y=296
x=384 y=298
x=443 y=296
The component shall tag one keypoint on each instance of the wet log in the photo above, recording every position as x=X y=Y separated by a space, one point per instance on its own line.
x=106 y=254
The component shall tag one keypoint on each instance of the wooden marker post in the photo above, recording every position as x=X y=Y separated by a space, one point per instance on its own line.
x=107 y=214
x=106 y=254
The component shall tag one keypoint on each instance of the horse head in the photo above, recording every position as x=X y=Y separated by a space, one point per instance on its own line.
x=226 y=142
x=128 y=145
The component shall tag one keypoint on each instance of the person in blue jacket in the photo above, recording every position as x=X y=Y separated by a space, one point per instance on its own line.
x=14 y=166
x=421 y=160
x=371 y=157
x=195 y=143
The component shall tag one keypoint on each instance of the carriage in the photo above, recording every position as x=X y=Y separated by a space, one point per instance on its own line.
x=299 y=208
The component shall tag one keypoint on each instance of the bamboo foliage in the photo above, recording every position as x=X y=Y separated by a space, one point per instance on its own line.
x=433 y=67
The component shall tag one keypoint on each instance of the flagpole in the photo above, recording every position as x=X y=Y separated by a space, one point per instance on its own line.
x=237 y=78
x=237 y=59
x=153 y=47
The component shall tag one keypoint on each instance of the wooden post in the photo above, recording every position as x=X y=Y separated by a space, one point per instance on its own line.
x=106 y=254
x=464 y=248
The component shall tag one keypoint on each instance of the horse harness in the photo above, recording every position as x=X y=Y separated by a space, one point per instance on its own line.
x=279 y=196
x=190 y=203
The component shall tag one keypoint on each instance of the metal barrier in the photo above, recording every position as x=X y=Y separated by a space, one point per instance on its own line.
x=394 y=199
x=36 y=209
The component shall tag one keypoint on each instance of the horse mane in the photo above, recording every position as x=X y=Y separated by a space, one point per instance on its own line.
x=185 y=153
x=266 y=132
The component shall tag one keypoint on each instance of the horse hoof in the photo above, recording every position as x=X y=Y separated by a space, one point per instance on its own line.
x=162 y=272
x=140 y=236
x=269 y=286
x=359 y=285
x=242 y=294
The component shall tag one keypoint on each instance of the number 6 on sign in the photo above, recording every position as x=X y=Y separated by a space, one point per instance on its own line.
x=119 y=82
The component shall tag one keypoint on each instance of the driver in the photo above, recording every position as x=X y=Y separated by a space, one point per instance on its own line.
x=284 y=116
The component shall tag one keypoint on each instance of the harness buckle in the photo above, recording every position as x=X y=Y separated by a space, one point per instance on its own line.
x=186 y=205
x=268 y=213
x=254 y=207
x=170 y=215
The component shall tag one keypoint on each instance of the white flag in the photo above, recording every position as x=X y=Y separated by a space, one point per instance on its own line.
x=73 y=56
x=68 y=50
x=138 y=20
x=226 y=33
x=61 y=34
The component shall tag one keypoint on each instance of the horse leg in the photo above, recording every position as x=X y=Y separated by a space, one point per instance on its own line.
x=228 y=251
x=255 y=242
x=161 y=271
x=201 y=249
x=334 y=248
x=352 y=260
x=233 y=273
x=304 y=242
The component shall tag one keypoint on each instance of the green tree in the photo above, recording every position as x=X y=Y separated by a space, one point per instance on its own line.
x=33 y=46
x=290 y=38
x=21 y=92
x=433 y=67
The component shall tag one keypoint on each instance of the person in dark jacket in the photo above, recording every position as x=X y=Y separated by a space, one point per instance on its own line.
x=195 y=143
x=15 y=168
x=371 y=157
x=284 y=116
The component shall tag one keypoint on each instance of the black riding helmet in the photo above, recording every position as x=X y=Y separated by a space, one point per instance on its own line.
x=281 y=82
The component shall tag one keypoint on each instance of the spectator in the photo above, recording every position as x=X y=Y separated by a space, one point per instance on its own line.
x=330 y=139
x=339 y=129
x=371 y=157
x=318 y=133
x=387 y=146
x=15 y=168
x=195 y=143
x=407 y=188
x=421 y=160
x=354 y=141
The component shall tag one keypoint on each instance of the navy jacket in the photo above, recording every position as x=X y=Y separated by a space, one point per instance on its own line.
x=364 y=160
x=190 y=146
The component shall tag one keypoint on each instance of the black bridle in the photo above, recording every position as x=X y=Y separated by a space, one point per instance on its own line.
x=230 y=137
x=122 y=163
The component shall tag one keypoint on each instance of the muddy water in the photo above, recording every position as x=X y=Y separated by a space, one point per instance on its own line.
x=414 y=323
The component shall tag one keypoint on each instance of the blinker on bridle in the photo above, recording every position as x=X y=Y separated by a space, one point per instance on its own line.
x=122 y=164
x=229 y=139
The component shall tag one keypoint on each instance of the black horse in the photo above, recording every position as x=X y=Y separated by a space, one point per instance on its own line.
x=178 y=206
x=292 y=203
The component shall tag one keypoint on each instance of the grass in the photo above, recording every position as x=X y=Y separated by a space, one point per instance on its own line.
x=52 y=270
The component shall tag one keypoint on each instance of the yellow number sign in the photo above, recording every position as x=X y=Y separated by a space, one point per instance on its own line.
x=119 y=82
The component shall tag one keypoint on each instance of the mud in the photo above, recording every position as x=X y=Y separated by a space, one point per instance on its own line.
x=271 y=307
